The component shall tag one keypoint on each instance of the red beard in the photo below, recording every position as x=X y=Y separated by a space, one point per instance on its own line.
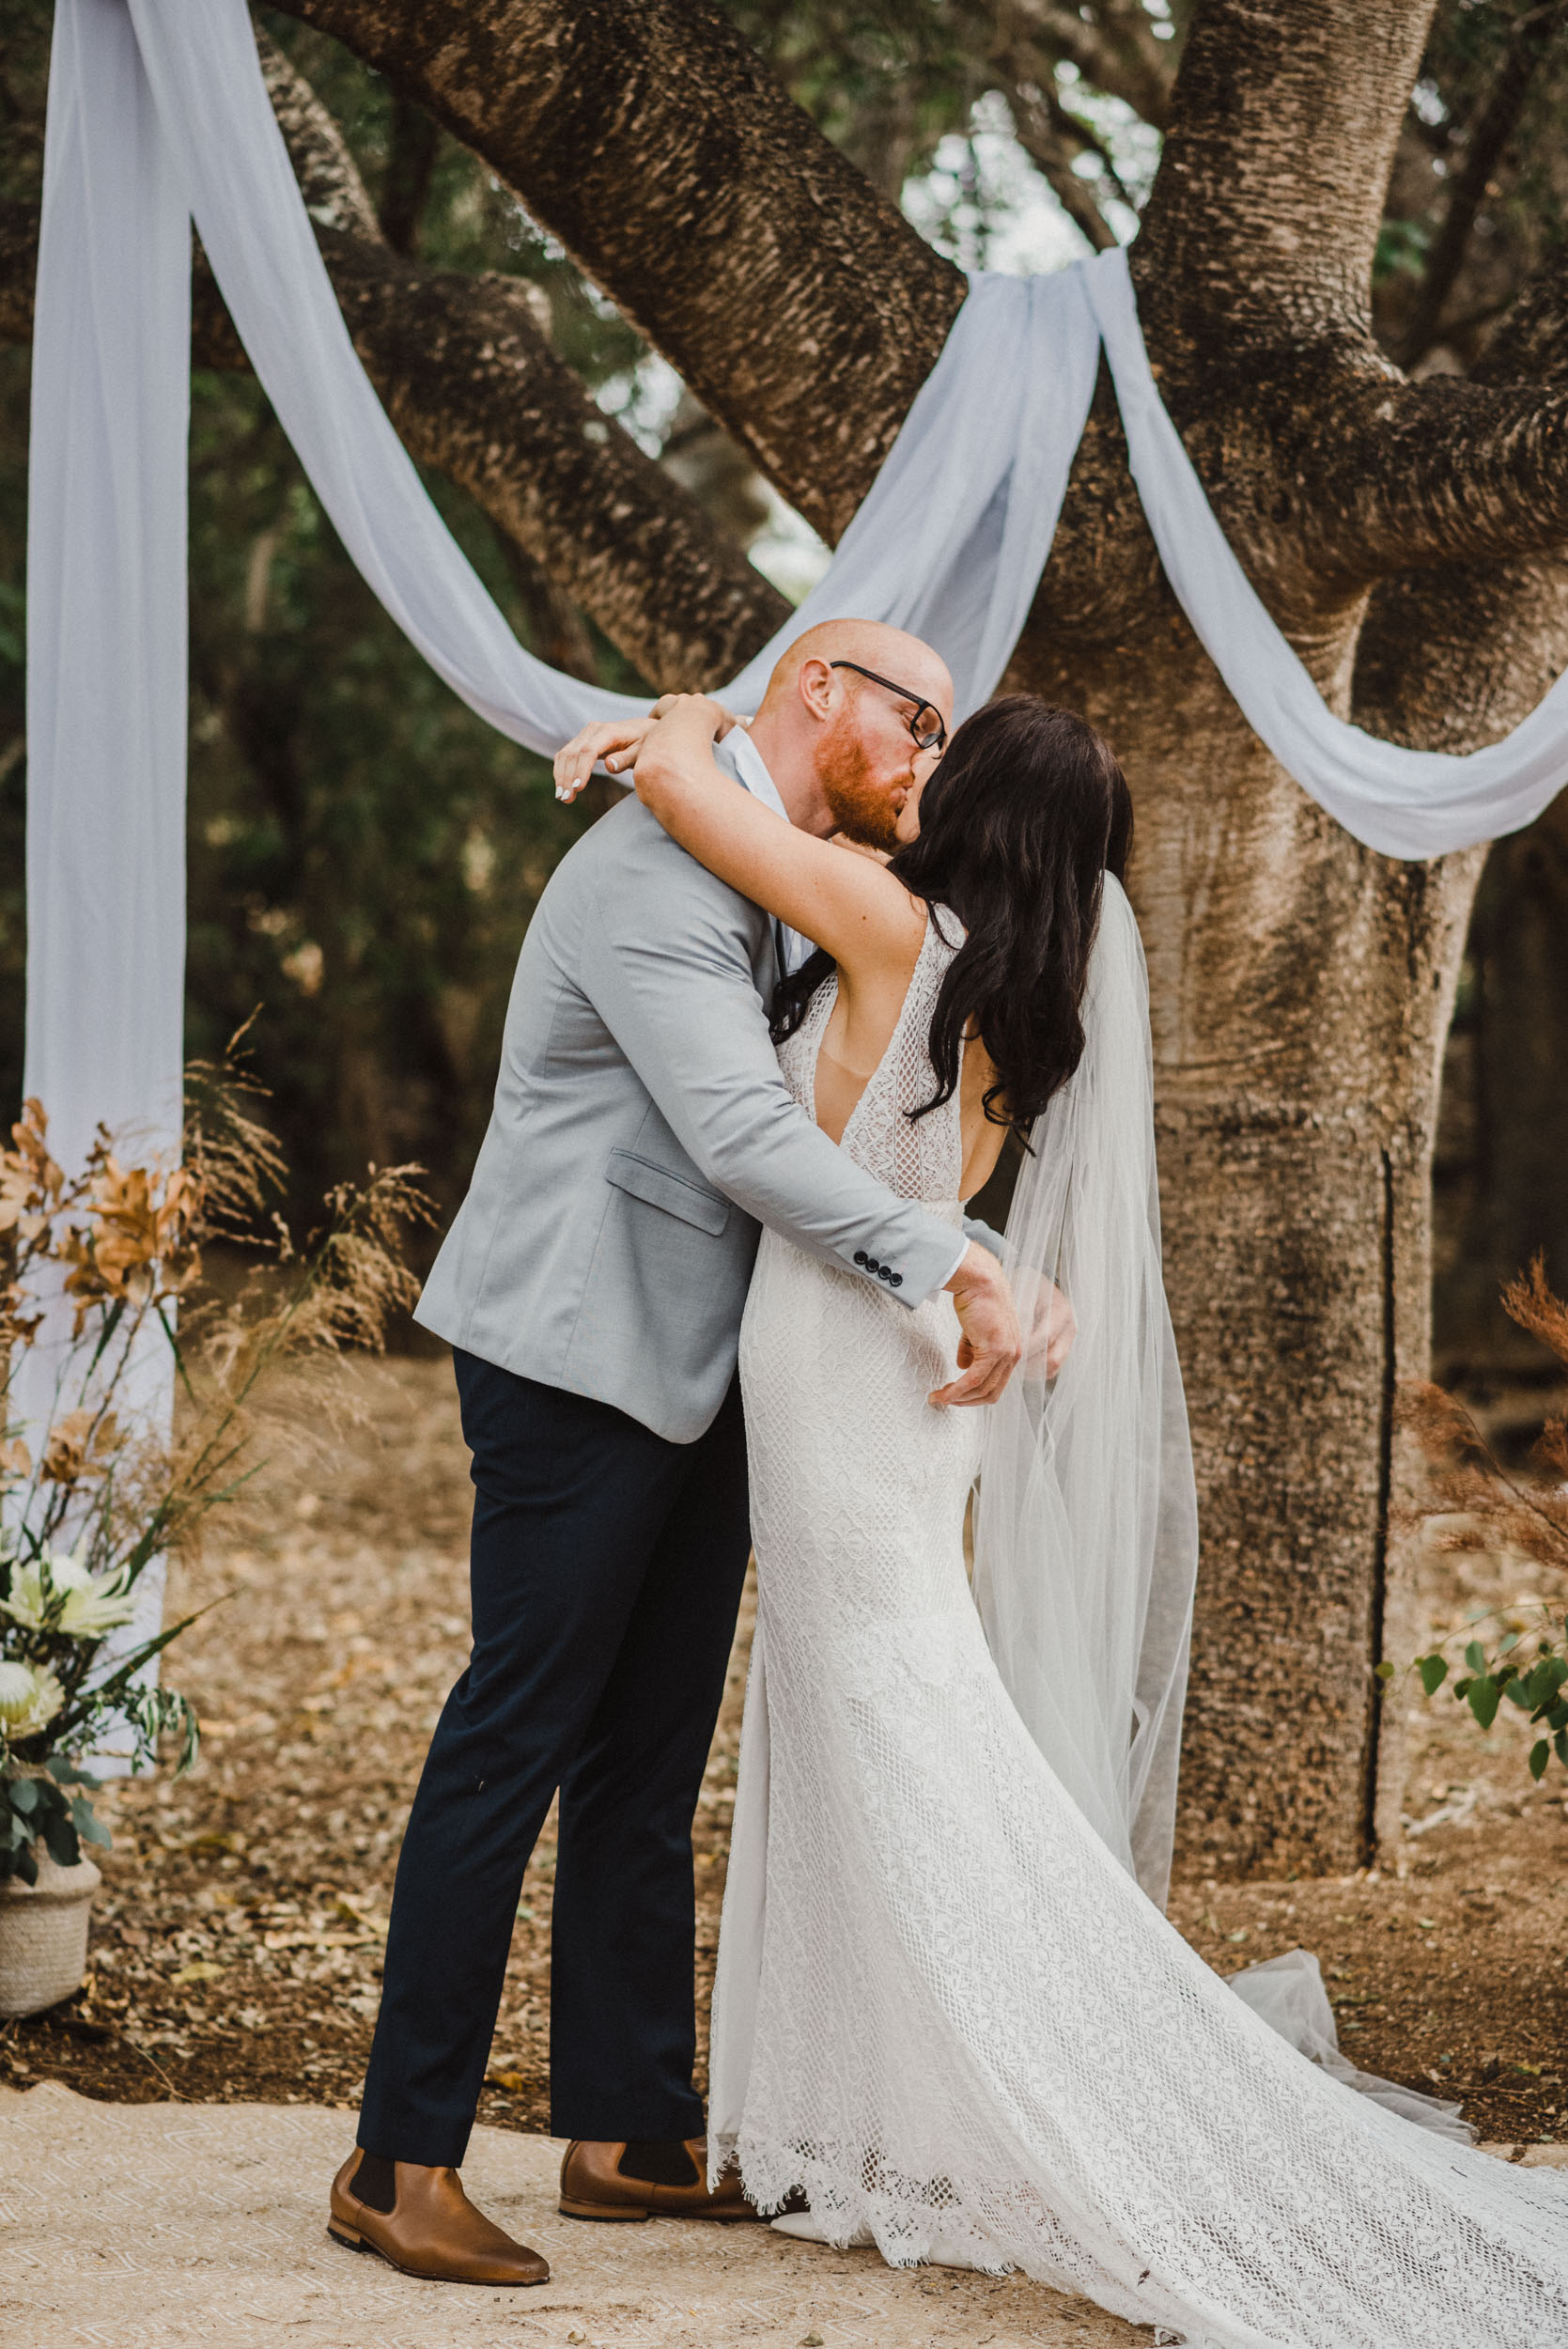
x=861 y=807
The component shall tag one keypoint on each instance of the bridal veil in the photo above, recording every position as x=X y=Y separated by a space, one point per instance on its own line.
x=1086 y=1524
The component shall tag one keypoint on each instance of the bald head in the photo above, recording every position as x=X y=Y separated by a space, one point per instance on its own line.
x=841 y=747
x=890 y=651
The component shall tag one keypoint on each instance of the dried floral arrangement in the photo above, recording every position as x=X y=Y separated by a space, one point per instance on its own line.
x=1475 y=1504
x=93 y=1496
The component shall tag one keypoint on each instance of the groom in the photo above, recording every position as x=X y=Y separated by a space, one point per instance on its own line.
x=592 y=1288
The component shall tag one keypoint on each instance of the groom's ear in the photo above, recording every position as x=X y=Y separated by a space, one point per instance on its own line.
x=817 y=685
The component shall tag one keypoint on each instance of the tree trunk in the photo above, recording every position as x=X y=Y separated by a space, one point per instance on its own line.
x=1302 y=986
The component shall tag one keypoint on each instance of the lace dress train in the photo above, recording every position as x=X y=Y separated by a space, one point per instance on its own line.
x=942 y=2007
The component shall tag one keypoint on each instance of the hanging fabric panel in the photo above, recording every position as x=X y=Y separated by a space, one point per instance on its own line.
x=106 y=638
x=106 y=598
x=1406 y=803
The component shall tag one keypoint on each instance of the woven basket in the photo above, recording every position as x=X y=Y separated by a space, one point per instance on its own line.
x=43 y=1934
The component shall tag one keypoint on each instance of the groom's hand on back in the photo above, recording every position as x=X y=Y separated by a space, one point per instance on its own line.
x=991 y=1344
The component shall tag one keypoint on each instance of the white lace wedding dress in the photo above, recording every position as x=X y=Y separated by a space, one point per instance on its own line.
x=942 y=2007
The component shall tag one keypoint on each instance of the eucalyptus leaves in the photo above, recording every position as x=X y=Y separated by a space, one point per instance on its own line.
x=1534 y=1683
x=38 y=1808
x=1476 y=1504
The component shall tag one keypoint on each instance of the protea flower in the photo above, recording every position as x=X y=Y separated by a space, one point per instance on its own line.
x=30 y=1696
x=94 y=1604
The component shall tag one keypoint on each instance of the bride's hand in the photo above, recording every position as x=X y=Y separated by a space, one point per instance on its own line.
x=616 y=741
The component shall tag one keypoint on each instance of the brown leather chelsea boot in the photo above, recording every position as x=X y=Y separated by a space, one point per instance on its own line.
x=618 y=2180
x=420 y=2219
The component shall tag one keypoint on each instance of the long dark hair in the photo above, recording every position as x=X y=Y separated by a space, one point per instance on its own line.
x=1018 y=826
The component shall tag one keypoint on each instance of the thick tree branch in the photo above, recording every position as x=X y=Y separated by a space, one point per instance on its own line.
x=1444 y=471
x=1264 y=222
x=1474 y=646
x=1254 y=272
x=801 y=308
x=471 y=386
x=1454 y=471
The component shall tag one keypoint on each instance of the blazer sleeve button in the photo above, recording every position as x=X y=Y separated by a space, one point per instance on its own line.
x=860 y=1257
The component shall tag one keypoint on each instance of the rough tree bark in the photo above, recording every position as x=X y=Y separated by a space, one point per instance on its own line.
x=1302 y=986
x=798 y=305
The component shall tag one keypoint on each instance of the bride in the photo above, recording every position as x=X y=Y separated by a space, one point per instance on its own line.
x=948 y=2010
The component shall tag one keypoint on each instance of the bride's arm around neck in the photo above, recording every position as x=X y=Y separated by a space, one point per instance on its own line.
x=851 y=905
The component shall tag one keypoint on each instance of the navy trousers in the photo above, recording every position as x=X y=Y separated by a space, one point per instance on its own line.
x=606 y=1566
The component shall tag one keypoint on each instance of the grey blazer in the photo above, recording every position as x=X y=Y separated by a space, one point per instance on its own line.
x=641 y=1133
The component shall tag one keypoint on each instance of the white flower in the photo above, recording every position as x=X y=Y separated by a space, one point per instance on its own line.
x=29 y=1697
x=93 y=1604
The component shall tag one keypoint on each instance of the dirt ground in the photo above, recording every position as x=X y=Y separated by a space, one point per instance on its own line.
x=237 y=1944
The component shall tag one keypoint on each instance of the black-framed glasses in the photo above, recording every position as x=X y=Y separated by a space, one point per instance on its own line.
x=931 y=737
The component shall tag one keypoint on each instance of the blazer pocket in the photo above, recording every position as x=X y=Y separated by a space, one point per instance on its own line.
x=692 y=1202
